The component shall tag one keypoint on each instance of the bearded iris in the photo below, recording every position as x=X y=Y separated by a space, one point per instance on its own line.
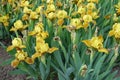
x=115 y=30
x=96 y=43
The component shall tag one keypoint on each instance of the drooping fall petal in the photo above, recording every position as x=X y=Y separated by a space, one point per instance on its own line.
x=51 y=50
x=29 y=60
x=87 y=42
x=15 y=63
x=103 y=50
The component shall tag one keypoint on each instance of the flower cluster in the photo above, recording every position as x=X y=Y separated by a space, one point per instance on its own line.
x=41 y=47
x=21 y=25
x=20 y=54
x=38 y=28
x=87 y=12
x=84 y=15
x=116 y=26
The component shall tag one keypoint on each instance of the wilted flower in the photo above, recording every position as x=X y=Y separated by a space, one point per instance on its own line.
x=83 y=70
x=96 y=42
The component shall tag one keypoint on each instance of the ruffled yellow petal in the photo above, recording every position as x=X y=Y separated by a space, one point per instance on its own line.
x=34 y=56
x=15 y=63
x=21 y=56
x=80 y=26
x=44 y=35
x=6 y=24
x=87 y=42
x=61 y=14
x=22 y=46
x=10 y=48
x=25 y=26
x=29 y=60
x=42 y=48
x=100 y=38
x=111 y=33
x=60 y=22
x=103 y=50
x=85 y=24
x=13 y=29
x=34 y=15
x=32 y=33
x=51 y=50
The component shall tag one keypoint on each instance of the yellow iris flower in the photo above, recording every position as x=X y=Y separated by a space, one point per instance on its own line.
x=115 y=30
x=95 y=15
x=61 y=14
x=50 y=8
x=39 y=31
x=96 y=42
x=16 y=43
x=34 y=15
x=39 y=9
x=21 y=56
x=4 y=20
x=76 y=23
x=26 y=10
x=118 y=8
x=91 y=6
x=51 y=15
x=87 y=18
x=81 y=10
x=24 y=3
x=18 y=25
x=42 y=48
x=25 y=17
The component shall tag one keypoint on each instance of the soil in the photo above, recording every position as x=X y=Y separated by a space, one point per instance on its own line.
x=4 y=70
